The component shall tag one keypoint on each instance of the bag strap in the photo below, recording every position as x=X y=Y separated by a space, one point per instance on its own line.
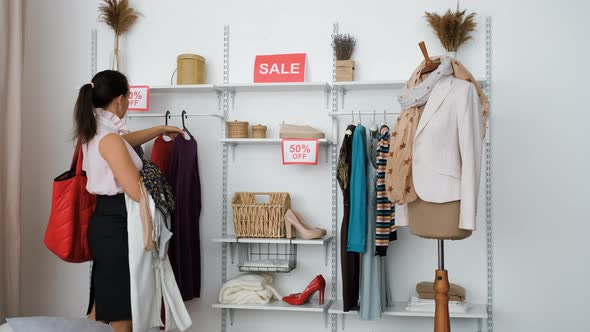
x=77 y=159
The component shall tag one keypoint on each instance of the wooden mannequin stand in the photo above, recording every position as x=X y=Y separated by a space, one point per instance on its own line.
x=441 y=289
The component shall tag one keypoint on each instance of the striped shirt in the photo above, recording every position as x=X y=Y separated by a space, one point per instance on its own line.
x=385 y=228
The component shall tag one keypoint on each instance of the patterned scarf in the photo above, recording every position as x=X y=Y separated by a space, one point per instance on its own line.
x=385 y=228
x=398 y=179
x=157 y=187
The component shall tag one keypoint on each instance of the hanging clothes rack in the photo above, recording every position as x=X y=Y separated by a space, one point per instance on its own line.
x=163 y=115
x=356 y=113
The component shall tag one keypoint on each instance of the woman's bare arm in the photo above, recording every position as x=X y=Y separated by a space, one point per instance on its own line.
x=112 y=148
x=137 y=138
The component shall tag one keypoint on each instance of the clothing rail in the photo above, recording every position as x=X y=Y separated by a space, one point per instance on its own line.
x=163 y=115
x=376 y=114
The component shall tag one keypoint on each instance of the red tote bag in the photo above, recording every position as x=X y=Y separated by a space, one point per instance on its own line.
x=71 y=208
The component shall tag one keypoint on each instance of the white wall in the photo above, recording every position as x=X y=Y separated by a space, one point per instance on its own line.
x=539 y=141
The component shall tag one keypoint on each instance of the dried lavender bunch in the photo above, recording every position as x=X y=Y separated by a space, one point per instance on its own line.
x=343 y=46
x=453 y=29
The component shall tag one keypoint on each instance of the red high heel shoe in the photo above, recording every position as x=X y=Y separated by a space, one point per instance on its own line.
x=317 y=284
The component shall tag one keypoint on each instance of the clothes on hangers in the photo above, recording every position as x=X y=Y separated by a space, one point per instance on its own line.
x=349 y=261
x=185 y=248
x=375 y=293
x=162 y=154
x=158 y=187
x=385 y=229
x=357 y=230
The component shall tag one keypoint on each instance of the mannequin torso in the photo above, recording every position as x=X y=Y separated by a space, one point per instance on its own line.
x=438 y=221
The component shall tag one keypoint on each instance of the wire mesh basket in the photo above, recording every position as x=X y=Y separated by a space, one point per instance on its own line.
x=267 y=257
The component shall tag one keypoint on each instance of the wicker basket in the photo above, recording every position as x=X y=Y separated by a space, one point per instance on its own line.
x=259 y=131
x=252 y=219
x=191 y=69
x=237 y=129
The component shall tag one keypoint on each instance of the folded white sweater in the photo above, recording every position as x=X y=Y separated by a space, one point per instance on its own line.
x=418 y=304
x=248 y=288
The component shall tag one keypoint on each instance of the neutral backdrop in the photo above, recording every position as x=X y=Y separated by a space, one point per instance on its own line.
x=539 y=140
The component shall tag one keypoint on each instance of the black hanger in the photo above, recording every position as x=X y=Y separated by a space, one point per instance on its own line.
x=167 y=116
x=184 y=126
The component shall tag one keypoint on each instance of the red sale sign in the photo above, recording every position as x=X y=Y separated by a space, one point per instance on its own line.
x=139 y=98
x=300 y=151
x=280 y=68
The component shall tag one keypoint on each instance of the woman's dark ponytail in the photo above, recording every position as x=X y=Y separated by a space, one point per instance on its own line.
x=85 y=122
x=105 y=87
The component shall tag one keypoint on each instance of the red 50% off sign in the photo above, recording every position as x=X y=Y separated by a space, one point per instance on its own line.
x=139 y=98
x=300 y=151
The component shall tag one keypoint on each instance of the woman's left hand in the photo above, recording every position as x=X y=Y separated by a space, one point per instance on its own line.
x=170 y=130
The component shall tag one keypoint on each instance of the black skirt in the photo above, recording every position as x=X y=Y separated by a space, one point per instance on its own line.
x=107 y=238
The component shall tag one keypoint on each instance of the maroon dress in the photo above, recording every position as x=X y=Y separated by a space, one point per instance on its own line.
x=185 y=251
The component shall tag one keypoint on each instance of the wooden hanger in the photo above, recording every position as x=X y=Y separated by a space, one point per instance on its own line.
x=429 y=65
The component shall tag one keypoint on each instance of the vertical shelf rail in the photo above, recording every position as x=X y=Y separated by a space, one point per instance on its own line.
x=225 y=179
x=488 y=185
x=93 y=52
x=334 y=147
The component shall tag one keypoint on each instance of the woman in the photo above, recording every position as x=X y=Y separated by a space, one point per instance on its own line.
x=112 y=167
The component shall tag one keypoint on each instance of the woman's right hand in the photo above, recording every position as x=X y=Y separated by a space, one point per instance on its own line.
x=171 y=131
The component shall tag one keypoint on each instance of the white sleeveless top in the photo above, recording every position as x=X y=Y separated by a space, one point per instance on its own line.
x=101 y=180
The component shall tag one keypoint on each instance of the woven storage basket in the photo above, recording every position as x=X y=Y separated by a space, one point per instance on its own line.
x=190 y=69
x=259 y=131
x=252 y=219
x=237 y=129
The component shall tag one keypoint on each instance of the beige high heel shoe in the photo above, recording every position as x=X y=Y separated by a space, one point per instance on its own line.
x=306 y=232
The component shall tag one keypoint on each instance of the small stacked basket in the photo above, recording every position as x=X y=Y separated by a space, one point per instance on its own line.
x=239 y=129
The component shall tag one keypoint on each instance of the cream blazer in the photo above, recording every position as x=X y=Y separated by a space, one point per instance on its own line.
x=447 y=150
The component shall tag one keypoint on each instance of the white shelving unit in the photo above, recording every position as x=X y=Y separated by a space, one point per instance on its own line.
x=191 y=88
x=226 y=93
x=368 y=85
x=262 y=141
x=234 y=239
x=312 y=306
x=230 y=92
x=234 y=88
x=235 y=142
x=378 y=85
x=481 y=312
x=275 y=87
x=342 y=88
x=478 y=312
